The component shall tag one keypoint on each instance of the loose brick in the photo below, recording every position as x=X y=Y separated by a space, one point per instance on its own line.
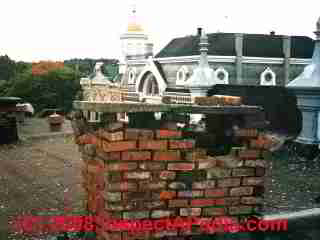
x=249 y=154
x=119 y=146
x=256 y=163
x=237 y=210
x=153 y=144
x=137 y=175
x=195 y=154
x=218 y=173
x=161 y=213
x=190 y=194
x=122 y=166
x=243 y=172
x=178 y=203
x=181 y=166
x=218 y=192
x=251 y=200
x=260 y=171
x=202 y=202
x=135 y=134
x=167 y=175
x=229 y=161
x=204 y=184
x=213 y=211
x=181 y=144
x=166 y=156
x=164 y=133
x=241 y=191
x=164 y=195
x=229 y=182
x=122 y=186
x=151 y=185
x=136 y=156
x=112 y=196
x=190 y=212
x=152 y=166
x=253 y=181
x=136 y=215
x=177 y=185
x=207 y=164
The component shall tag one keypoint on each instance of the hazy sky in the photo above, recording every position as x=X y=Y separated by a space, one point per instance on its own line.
x=33 y=30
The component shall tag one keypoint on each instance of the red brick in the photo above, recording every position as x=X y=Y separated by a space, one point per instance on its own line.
x=190 y=194
x=95 y=168
x=122 y=166
x=249 y=154
x=178 y=203
x=138 y=134
x=227 y=201
x=195 y=155
x=202 y=202
x=204 y=184
x=108 y=156
x=229 y=182
x=181 y=144
x=186 y=212
x=151 y=185
x=241 y=191
x=243 y=172
x=180 y=166
x=237 y=210
x=253 y=181
x=136 y=156
x=137 y=175
x=164 y=133
x=246 y=133
x=165 y=195
x=119 y=146
x=166 y=156
x=213 y=211
x=152 y=166
x=263 y=142
x=122 y=186
x=153 y=144
x=167 y=175
x=217 y=192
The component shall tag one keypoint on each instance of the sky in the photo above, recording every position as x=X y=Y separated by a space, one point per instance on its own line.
x=56 y=30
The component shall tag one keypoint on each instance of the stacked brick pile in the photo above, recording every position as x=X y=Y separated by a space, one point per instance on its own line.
x=154 y=174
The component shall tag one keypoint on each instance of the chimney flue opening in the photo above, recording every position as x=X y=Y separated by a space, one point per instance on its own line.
x=199 y=31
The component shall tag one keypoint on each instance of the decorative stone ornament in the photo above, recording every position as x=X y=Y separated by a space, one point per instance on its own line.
x=221 y=76
x=132 y=76
x=182 y=75
x=268 y=78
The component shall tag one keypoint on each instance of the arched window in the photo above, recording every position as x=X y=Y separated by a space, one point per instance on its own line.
x=182 y=75
x=149 y=85
x=132 y=76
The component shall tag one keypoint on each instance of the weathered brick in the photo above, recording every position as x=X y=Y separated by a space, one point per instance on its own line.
x=177 y=185
x=178 y=203
x=262 y=142
x=108 y=156
x=164 y=195
x=113 y=176
x=217 y=192
x=229 y=182
x=237 y=210
x=112 y=196
x=136 y=235
x=122 y=186
x=95 y=168
x=119 y=146
x=151 y=185
x=181 y=166
x=135 y=134
x=243 y=172
x=122 y=166
x=167 y=175
x=213 y=211
x=249 y=154
x=251 y=200
x=111 y=136
x=161 y=213
x=154 y=204
x=135 y=196
x=255 y=163
x=228 y=201
x=207 y=164
x=218 y=173
x=249 y=133
x=186 y=212
x=137 y=175
x=166 y=156
x=152 y=166
x=195 y=154
x=114 y=126
x=253 y=181
x=136 y=215
x=165 y=133
x=204 y=184
x=190 y=194
x=241 y=191
x=117 y=207
x=90 y=149
x=260 y=171
x=163 y=234
x=136 y=156
x=202 y=202
x=153 y=144
x=181 y=144
x=229 y=161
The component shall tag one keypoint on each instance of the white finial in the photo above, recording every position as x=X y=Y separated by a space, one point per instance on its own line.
x=317 y=32
x=318 y=24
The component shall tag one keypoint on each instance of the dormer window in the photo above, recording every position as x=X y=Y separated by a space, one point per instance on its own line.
x=182 y=75
x=268 y=77
x=132 y=76
x=222 y=76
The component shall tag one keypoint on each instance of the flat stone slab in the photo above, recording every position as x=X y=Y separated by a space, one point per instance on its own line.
x=117 y=107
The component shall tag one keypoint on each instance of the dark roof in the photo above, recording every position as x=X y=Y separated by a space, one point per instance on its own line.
x=254 y=45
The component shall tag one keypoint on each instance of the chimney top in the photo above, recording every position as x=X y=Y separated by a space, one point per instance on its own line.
x=199 y=32
x=272 y=33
